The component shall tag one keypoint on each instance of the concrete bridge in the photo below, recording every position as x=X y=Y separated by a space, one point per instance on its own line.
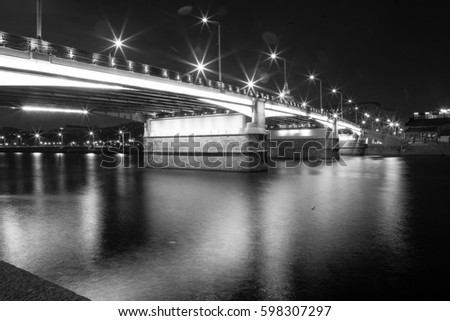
x=189 y=122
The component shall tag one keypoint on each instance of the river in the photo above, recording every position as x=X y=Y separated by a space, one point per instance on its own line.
x=375 y=229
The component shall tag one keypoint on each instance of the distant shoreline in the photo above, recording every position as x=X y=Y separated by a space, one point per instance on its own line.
x=66 y=149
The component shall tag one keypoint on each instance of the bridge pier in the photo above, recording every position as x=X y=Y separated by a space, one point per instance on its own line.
x=307 y=143
x=221 y=142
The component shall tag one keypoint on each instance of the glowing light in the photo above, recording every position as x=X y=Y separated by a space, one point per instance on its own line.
x=335 y=115
x=245 y=110
x=55 y=110
x=377 y=119
x=36 y=135
x=303 y=104
x=312 y=77
x=8 y=78
x=118 y=43
x=200 y=67
x=334 y=91
x=349 y=101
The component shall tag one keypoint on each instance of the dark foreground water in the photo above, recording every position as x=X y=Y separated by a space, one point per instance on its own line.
x=377 y=229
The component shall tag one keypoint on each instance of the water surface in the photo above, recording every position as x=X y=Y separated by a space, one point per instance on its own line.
x=377 y=229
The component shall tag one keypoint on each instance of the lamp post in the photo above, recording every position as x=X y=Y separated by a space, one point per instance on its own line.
x=117 y=44
x=205 y=20
x=91 y=134
x=122 y=133
x=274 y=56
x=62 y=142
x=335 y=91
x=38 y=137
x=39 y=19
x=312 y=77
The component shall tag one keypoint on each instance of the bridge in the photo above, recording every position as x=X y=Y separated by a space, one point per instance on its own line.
x=37 y=74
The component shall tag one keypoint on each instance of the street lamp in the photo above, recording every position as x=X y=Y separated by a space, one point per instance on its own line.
x=335 y=91
x=38 y=137
x=274 y=56
x=91 y=134
x=205 y=21
x=118 y=45
x=122 y=133
x=62 y=142
x=312 y=77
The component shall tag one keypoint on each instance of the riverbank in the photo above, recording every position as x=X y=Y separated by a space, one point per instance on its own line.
x=19 y=285
x=431 y=149
x=68 y=149
x=359 y=148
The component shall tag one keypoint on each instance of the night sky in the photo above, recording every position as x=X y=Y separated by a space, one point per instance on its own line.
x=395 y=53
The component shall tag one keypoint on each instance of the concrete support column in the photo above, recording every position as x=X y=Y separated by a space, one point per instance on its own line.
x=147 y=127
x=335 y=128
x=258 y=124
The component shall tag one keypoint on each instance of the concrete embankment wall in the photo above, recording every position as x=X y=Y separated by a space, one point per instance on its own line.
x=19 y=285
x=439 y=149
x=291 y=148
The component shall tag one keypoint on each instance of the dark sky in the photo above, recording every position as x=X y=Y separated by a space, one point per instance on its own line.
x=395 y=53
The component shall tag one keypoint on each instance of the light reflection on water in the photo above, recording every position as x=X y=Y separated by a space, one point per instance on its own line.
x=375 y=229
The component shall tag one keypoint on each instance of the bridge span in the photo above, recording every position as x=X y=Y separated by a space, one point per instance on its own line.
x=36 y=73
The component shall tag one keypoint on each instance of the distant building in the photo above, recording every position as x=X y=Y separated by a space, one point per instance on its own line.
x=429 y=127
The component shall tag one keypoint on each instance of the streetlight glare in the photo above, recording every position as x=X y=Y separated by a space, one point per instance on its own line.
x=118 y=43
x=200 y=67
x=205 y=20
x=334 y=91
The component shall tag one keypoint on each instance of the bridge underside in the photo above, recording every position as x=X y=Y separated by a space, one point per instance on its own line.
x=154 y=104
x=128 y=103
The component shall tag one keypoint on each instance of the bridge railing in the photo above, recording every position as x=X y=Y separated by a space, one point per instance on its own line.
x=44 y=47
